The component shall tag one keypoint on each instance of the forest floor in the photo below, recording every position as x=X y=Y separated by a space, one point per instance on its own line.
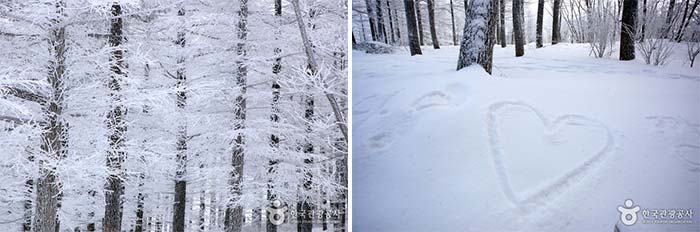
x=553 y=141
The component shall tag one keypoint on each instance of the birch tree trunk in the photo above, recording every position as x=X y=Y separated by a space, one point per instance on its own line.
x=431 y=20
x=274 y=117
x=478 y=37
x=413 y=34
x=54 y=136
x=234 y=210
x=180 y=182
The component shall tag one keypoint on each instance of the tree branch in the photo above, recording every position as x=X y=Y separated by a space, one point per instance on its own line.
x=22 y=94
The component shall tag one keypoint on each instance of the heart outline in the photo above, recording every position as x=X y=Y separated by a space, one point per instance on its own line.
x=550 y=190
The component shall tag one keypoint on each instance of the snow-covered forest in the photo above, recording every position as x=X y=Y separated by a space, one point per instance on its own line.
x=514 y=115
x=205 y=115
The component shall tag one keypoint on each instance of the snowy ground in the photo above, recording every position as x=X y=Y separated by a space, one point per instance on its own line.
x=555 y=141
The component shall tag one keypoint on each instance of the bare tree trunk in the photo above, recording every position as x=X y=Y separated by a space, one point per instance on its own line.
x=669 y=14
x=372 y=24
x=628 y=28
x=540 y=18
x=502 y=15
x=391 y=22
x=234 y=210
x=644 y=21
x=380 y=22
x=274 y=139
x=114 y=190
x=396 y=22
x=420 y=22
x=54 y=136
x=452 y=16
x=28 y=202
x=518 y=27
x=180 y=182
x=687 y=17
x=413 y=34
x=478 y=37
x=431 y=20
x=556 y=25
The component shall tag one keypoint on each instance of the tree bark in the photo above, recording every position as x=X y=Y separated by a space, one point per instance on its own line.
x=274 y=117
x=380 y=22
x=413 y=37
x=518 y=27
x=180 y=198
x=478 y=37
x=431 y=20
x=234 y=210
x=540 y=19
x=372 y=24
x=114 y=190
x=454 y=31
x=502 y=15
x=627 y=30
x=54 y=136
x=420 y=22
x=687 y=17
x=556 y=25
x=391 y=22
x=644 y=21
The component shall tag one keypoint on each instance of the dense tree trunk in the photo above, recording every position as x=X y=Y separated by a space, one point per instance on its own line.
x=234 y=210
x=627 y=30
x=180 y=198
x=556 y=25
x=502 y=27
x=54 y=135
x=540 y=19
x=478 y=37
x=420 y=22
x=380 y=22
x=391 y=21
x=518 y=28
x=431 y=20
x=452 y=16
x=396 y=22
x=116 y=124
x=413 y=37
x=274 y=117
x=372 y=24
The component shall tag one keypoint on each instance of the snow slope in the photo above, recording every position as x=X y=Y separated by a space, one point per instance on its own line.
x=554 y=141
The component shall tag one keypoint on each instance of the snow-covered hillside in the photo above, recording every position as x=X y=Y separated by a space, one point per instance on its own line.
x=553 y=141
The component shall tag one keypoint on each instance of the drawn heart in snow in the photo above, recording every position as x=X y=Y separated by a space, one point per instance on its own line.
x=534 y=168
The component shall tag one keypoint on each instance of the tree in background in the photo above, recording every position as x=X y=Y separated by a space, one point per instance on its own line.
x=478 y=37
x=433 y=32
x=413 y=34
x=518 y=33
x=628 y=29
